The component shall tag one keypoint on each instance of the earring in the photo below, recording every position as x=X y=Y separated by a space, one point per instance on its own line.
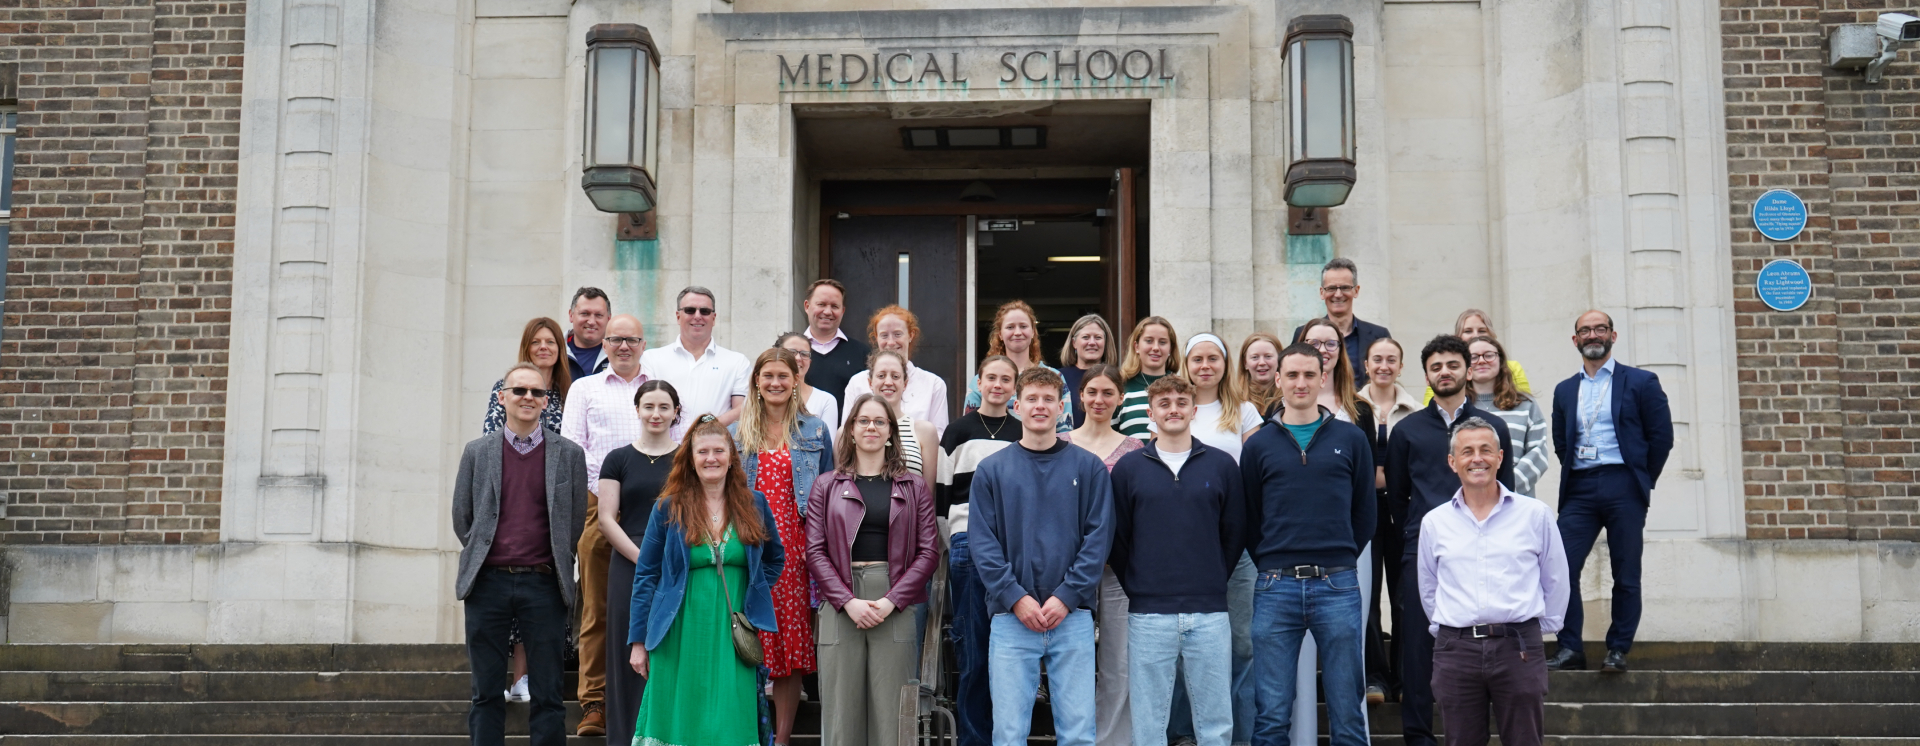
x=889 y=444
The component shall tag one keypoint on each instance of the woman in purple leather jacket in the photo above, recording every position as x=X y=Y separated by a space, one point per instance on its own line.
x=871 y=547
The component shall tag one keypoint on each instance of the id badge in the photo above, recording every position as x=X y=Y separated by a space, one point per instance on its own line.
x=1587 y=453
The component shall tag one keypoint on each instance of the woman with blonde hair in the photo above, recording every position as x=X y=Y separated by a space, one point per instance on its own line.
x=1259 y=364
x=1149 y=357
x=815 y=402
x=925 y=399
x=783 y=450
x=1089 y=343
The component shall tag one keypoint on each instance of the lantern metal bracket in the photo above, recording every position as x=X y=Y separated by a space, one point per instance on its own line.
x=638 y=226
x=1307 y=221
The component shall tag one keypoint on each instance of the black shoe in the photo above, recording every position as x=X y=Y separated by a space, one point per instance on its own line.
x=1567 y=660
x=1616 y=662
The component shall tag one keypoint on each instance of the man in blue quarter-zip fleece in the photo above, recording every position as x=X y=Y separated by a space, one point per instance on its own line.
x=1041 y=525
x=1310 y=502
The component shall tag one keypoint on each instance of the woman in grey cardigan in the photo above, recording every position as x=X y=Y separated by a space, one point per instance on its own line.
x=1495 y=391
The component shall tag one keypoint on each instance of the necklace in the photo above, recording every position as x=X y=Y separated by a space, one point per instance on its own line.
x=994 y=433
x=652 y=459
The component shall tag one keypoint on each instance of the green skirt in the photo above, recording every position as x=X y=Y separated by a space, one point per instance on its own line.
x=698 y=693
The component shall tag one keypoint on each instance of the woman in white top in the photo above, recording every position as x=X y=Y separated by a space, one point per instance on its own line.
x=889 y=379
x=1222 y=416
x=898 y=330
x=813 y=401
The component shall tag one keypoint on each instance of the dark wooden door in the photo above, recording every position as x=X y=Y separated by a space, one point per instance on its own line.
x=865 y=253
x=1117 y=243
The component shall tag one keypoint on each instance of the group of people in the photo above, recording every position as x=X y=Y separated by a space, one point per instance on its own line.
x=1227 y=518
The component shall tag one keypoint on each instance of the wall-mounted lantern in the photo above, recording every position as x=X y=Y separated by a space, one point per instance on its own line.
x=620 y=152
x=1320 y=146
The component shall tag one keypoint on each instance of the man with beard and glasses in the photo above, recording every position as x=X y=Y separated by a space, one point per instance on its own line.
x=1419 y=479
x=1612 y=431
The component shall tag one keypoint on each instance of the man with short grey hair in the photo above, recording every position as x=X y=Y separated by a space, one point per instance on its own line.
x=1339 y=286
x=711 y=379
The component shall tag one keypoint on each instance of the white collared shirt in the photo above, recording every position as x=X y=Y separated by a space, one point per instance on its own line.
x=706 y=386
x=925 y=398
x=1508 y=568
x=600 y=416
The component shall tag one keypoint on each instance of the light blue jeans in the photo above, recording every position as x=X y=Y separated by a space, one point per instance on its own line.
x=1013 y=670
x=1202 y=646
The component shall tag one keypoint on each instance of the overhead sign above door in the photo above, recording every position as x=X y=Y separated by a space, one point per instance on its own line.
x=1127 y=68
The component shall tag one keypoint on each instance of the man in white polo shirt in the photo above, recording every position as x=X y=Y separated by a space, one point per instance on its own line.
x=711 y=379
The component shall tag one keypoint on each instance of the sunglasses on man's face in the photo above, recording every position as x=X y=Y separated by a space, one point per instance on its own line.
x=696 y=311
x=526 y=391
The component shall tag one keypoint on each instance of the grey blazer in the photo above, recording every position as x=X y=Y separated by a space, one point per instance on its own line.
x=476 y=506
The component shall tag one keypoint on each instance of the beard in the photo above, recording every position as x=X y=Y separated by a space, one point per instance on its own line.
x=1596 y=350
x=1458 y=384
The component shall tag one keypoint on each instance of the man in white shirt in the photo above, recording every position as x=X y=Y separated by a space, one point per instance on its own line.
x=711 y=379
x=1493 y=580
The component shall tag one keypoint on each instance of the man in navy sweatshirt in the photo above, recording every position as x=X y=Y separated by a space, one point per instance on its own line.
x=1419 y=479
x=1309 y=482
x=1178 y=516
x=1041 y=526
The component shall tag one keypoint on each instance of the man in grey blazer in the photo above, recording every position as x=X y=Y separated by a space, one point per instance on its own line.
x=518 y=506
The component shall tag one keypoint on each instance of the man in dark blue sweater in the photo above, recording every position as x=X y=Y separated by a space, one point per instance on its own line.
x=1309 y=482
x=1178 y=515
x=1041 y=525
x=1419 y=480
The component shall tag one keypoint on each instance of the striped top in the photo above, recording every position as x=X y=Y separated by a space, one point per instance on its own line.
x=1527 y=428
x=910 y=446
x=1133 y=420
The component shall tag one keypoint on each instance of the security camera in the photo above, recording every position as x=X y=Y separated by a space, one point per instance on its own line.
x=1899 y=27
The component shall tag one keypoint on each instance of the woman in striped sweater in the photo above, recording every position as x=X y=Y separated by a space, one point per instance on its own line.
x=1149 y=356
x=1495 y=391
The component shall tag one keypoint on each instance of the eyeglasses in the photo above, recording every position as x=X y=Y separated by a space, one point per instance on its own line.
x=805 y=354
x=696 y=311
x=1485 y=357
x=525 y=391
x=1593 y=331
x=624 y=341
x=1339 y=289
x=870 y=422
x=1325 y=345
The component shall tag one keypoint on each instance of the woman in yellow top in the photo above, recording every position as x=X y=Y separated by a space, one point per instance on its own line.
x=1474 y=322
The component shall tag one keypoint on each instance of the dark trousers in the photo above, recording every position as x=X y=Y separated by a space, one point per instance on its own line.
x=1596 y=498
x=1505 y=674
x=624 y=687
x=1383 y=657
x=498 y=599
x=973 y=704
x=1416 y=658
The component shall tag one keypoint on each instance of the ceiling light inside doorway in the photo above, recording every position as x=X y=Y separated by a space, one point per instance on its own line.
x=1087 y=258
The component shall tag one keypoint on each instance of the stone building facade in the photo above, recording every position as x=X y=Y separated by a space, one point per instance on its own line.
x=267 y=258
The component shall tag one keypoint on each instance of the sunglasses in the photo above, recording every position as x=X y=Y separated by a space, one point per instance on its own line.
x=525 y=391
x=696 y=311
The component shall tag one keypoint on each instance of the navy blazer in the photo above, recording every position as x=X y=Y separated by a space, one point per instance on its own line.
x=1641 y=422
x=660 y=577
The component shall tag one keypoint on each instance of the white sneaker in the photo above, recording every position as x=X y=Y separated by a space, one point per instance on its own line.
x=518 y=692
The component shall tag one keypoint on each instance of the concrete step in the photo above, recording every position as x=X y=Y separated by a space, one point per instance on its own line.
x=1680 y=687
x=1776 y=720
x=1765 y=656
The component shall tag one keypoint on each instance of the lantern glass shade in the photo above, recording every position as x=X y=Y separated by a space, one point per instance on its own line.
x=1321 y=142
x=620 y=148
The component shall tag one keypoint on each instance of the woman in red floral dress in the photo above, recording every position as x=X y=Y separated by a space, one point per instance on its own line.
x=784 y=449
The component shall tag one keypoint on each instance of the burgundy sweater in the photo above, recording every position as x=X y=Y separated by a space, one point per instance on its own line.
x=522 y=536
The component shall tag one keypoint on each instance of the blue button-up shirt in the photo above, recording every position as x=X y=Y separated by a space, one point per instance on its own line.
x=1595 y=419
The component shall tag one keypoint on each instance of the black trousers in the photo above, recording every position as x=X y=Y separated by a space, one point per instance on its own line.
x=1416 y=658
x=624 y=687
x=498 y=599
x=1507 y=675
x=1383 y=656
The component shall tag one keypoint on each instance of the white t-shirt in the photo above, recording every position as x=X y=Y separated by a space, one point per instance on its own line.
x=1206 y=427
x=1174 y=460
x=822 y=405
x=706 y=386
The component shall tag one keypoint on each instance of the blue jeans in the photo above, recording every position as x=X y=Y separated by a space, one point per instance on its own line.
x=1284 y=610
x=1240 y=614
x=973 y=703
x=1016 y=653
x=1202 y=646
x=1596 y=498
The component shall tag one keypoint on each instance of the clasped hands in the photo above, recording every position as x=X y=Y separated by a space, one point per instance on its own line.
x=1040 y=618
x=868 y=614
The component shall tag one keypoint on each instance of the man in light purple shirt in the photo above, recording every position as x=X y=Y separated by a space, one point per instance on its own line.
x=1493 y=579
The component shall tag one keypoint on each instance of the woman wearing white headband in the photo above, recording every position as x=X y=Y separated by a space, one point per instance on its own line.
x=1223 y=418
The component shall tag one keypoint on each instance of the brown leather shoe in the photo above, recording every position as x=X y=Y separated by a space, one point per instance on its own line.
x=593 y=720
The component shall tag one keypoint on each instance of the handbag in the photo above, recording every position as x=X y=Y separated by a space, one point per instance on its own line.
x=746 y=640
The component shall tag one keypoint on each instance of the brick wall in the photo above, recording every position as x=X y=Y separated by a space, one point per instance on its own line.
x=113 y=359
x=1827 y=433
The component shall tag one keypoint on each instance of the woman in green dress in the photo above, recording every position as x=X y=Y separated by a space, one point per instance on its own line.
x=680 y=635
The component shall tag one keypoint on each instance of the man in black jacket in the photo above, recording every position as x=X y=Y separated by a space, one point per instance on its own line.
x=1419 y=480
x=1310 y=501
x=1177 y=508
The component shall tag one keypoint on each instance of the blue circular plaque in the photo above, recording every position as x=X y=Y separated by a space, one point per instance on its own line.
x=1783 y=285
x=1780 y=215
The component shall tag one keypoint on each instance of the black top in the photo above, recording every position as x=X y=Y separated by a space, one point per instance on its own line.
x=1418 y=477
x=970 y=427
x=1308 y=503
x=830 y=371
x=640 y=477
x=870 y=544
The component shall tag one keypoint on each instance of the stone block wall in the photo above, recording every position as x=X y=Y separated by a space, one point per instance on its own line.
x=113 y=351
x=1828 y=430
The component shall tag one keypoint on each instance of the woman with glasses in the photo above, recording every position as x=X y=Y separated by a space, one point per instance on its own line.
x=783 y=450
x=872 y=544
x=710 y=549
x=815 y=402
x=1339 y=397
x=889 y=377
x=1089 y=343
x=540 y=345
x=896 y=329
x=1494 y=391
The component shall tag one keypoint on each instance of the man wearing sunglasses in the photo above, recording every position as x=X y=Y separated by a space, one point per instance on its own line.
x=711 y=379
x=1339 y=287
x=519 y=502
x=600 y=416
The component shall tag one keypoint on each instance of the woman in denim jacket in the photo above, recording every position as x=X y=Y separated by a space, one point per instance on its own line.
x=783 y=450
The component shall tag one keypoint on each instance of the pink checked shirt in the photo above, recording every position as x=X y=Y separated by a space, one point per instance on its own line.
x=600 y=417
